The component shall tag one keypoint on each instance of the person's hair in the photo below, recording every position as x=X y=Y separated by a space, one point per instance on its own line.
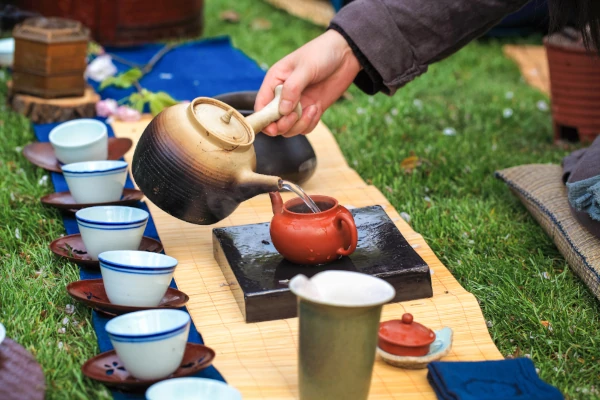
x=583 y=15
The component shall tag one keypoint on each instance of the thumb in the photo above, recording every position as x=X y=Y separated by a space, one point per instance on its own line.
x=292 y=90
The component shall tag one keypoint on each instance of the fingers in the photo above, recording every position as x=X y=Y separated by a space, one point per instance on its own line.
x=293 y=87
x=310 y=118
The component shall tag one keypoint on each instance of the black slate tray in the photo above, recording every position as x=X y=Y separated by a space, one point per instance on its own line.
x=258 y=274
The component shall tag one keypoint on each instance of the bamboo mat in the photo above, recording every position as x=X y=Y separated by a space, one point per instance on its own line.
x=260 y=358
x=319 y=12
x=533 y=64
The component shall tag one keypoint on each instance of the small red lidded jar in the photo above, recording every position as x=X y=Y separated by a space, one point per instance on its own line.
x=404 y=337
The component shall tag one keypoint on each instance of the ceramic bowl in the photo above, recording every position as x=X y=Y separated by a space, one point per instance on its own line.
x=136 y=278
x=150 y=343
x=80 y=140
x=96 y=181
x=106 y=228
x=438 y=349
x=192 y=389
x=7 y=52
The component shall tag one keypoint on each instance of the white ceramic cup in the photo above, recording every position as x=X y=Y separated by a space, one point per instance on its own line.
x=150 y=343
x=136 y=278
x=192 y=389
x=106 y=228
x=80 y=140
x=96 y=181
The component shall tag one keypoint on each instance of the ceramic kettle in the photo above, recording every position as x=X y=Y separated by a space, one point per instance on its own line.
x=293 y=158
x=197 y=162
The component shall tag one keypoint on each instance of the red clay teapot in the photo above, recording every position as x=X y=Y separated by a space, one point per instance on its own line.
x=196 y=161
x=304 y=237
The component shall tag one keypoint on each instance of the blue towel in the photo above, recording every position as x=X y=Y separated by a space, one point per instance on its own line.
x=202 y=68
x=514 y=379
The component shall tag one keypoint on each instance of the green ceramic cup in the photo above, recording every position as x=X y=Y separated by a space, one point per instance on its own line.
x=339 y=313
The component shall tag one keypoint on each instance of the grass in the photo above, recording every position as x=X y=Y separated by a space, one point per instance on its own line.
x=473 y=223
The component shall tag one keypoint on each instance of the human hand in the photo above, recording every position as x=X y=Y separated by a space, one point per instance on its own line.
x=316 y=75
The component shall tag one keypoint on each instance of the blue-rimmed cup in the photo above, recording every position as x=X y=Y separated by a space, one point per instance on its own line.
x=150 y=343
x=83 y=139
x=136 y=278
x=96 y=181
x=106 y=228
x=192 y=388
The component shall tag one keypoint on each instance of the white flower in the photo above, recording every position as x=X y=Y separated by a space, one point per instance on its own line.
x=405 y=216
x=394 y=111
x=43 y=180
x=507 y=113
x=542 y=105
x=61 y=330
x=60 y=344
x=65 y=321
x=418 y=103
x=509 y=95
x=489 y=324
x=100 y=68
x=18 y=233
x=449 y=131
x=69 y=308
x=360 y=111
x=545 y=275
x=18 y=149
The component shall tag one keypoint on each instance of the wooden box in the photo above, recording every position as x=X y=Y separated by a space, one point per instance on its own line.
x=50 y=57
x=127 y=22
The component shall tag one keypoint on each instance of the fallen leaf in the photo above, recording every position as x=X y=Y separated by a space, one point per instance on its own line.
x=581 y=360
x=409 y=164
x=545 y=323
x=261 y=24
x=230 y=16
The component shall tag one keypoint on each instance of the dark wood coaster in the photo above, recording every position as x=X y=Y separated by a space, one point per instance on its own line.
x=260 y=275
x=65 y=201
x=21 y=377
x=72 y=248
x=91 y=292
x=42 y=154
x=108 y=368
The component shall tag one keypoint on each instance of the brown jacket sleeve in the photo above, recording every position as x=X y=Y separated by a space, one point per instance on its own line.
x=395 y=40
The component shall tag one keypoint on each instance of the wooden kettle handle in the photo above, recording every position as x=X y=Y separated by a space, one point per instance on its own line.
x=261 y=119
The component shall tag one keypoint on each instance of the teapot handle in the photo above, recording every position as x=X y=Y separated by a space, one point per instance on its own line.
x=350 y=225
x=261 y=119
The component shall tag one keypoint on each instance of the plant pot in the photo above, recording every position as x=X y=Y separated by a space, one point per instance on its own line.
x=292 y=159
x=575 y=87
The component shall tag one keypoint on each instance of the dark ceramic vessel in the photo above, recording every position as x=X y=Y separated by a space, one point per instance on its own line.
x=292 y=159
x=308 y=238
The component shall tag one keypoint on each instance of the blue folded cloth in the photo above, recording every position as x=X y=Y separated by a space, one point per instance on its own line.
x=513 y=379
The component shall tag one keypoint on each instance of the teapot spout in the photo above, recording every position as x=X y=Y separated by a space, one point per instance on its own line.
x=276 y=202
x=250 y=184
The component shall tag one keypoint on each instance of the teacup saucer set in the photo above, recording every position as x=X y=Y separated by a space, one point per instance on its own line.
x=148 y=331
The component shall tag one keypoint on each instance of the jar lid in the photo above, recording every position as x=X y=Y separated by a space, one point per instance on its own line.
x=51 y=30
x=222 y=121
x=406 y=332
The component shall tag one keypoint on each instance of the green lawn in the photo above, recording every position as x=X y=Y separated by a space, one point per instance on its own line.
x=470 y=219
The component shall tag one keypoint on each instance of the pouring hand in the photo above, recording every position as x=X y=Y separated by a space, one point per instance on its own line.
x=316 y=75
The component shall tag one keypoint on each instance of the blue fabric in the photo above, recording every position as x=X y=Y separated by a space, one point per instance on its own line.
x=99 y=321
x=202 y=68
x=511 y=379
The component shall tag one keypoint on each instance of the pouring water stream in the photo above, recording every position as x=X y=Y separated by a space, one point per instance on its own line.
x=292 y=187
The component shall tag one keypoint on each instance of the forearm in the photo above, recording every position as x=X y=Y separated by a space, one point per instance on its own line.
x=396 y=40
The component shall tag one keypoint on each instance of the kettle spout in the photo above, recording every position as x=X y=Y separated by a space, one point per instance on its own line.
x=276 y=202
x=250 y=184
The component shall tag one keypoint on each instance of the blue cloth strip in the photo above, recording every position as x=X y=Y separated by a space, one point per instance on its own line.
x=99 y=321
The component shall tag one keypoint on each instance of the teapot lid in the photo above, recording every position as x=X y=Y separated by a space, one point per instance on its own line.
x=406 y=332
x=222 y=121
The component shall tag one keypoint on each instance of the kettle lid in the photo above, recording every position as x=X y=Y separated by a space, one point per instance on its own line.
x=222 y=121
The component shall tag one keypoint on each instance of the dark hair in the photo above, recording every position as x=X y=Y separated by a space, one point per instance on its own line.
x=583 y=15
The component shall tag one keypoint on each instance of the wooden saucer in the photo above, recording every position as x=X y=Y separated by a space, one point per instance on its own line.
x=65 y=201
x=108 y=369
x=72 y=248
x=91 y=292
x=42 y=154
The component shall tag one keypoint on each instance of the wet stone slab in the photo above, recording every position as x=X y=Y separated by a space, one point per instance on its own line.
x=258 y=274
